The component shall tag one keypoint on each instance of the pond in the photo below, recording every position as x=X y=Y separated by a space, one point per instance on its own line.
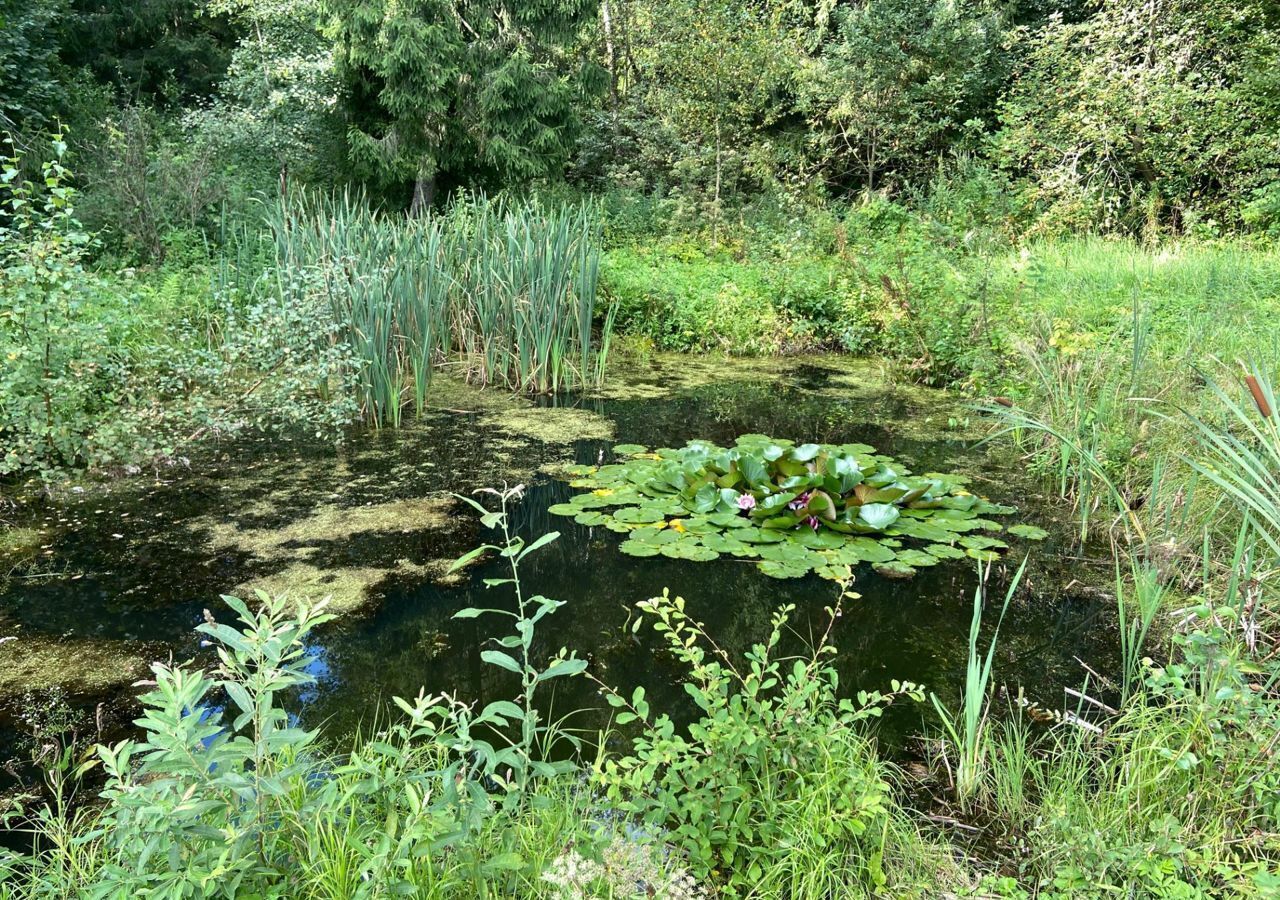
x=123 y=572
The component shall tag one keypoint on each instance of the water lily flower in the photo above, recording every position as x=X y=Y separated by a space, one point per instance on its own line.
x=800 y=502
x=746 y=502
x=602 y=492
x=677 y=525
x=812 y=522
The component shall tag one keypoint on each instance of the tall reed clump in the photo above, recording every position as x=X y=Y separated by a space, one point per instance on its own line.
x=967 y=734
x=505 y=289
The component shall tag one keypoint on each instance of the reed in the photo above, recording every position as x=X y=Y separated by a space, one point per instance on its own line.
x=967 y=731
x=506 y=290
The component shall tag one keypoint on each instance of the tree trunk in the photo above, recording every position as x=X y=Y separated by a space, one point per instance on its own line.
x=610 y=54
x=424 y=194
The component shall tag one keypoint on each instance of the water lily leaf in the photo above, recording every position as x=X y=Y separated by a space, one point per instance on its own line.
x=699 y=525
x=983 y=555
x=945 y=551
x=759 y=536
x=780 y=522
x=629 y=449
x=729 y=478
x=707 y=498
x=655 y=537
x=834 y=572
x=870 y=551
x=614 y=525
x=723 y=543
x=846 y=472
x=753 y=470
x=981 y=542
x=772 y=503
x=878 y=515
x=917 y=559
x=790 y=468
x=788 y=551
x=868 y=494
x=690 y=550
x=565 y=509
x=805 y=452
x=782 y=570
x=821 y=505
x=1029 y=532
x=856 y=449
x=638 y=548
x=772 y=452
x=924 y=531
x=729 y=520
x=635 y=515
x=821 y=539
x=987 y=508
x=590 y=518
x=894 y=569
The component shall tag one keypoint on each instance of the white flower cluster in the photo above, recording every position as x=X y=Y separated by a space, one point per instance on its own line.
x=625 y=869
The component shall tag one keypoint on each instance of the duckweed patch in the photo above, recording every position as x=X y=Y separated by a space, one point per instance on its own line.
x=302 y=551
x=794 y=509
x=18 y=544
x=81 y=665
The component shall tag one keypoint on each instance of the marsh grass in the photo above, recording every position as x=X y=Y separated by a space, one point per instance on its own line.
x=504 y=290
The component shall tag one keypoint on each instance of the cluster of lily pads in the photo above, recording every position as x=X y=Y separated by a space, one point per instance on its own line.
x=796 y=509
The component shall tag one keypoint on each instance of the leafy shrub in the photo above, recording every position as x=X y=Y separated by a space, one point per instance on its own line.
x=774 y=791
x=63 y=374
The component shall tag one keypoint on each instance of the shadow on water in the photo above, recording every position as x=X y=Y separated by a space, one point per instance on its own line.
x=146 y=588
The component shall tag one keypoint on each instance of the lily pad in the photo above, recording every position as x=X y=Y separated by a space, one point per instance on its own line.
x=782 y=569
x=690 y=550
x=1027 y=532
x=637 y=515
x=894 y=569
x=798 y=506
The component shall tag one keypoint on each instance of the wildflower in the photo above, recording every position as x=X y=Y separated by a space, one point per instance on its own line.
x=746 y=502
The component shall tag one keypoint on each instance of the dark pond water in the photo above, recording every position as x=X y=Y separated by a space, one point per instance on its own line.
x=128 y=569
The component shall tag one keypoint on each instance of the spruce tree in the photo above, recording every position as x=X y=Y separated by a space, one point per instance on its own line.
x=480 y=91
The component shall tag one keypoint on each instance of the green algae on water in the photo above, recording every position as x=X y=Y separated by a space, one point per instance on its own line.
x=297 y=557
x=81 y=665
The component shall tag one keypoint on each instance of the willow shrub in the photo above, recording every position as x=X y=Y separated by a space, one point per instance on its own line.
x=508 y=289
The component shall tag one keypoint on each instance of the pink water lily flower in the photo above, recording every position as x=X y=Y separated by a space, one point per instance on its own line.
x=812 y=522
x=800 y=502
x=746 y=503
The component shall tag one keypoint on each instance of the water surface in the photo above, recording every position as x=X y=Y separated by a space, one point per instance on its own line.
x=127 y=569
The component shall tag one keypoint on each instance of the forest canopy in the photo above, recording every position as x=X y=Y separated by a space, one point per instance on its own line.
x=1154 y=118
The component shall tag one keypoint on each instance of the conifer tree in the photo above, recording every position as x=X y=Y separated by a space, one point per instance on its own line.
x=482 y=91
